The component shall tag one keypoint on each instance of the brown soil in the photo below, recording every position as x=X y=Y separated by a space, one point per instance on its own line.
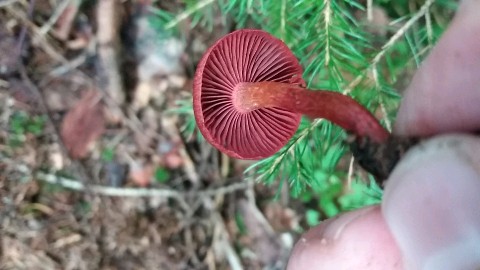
x=80 y=194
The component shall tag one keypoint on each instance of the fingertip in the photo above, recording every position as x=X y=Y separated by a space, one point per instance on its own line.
x=430 y=204
x=355 y=240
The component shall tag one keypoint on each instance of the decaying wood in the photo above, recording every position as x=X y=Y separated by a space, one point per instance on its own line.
x=108 y=14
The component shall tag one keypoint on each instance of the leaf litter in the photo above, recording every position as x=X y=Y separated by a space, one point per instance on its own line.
x=49 y=225
x=83 y=125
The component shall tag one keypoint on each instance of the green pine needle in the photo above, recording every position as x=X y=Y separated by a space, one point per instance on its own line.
x=332 y=41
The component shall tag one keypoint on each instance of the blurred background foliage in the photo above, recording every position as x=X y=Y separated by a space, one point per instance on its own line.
x=366 y=49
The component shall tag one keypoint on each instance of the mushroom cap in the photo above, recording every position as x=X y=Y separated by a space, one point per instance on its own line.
x=244 y=56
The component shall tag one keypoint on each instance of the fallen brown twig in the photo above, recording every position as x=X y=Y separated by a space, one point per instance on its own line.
x=180 y=197
x=108 y=48
x=137 y=192
x=5 y=3
x=57 y=13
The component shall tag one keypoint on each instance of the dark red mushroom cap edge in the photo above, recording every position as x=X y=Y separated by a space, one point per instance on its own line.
x=244 y=56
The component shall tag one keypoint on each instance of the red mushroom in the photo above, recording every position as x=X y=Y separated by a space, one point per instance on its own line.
x=248 y=97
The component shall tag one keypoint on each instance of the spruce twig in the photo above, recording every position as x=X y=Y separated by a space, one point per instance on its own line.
x=339 y=55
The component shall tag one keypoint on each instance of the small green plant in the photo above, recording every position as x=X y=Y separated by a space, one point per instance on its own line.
x=108 y=154
x=332 y=196
x=312 y=217
x=239 y=220
x=359 y=195
x=161 y=175
x=83 y=208
x=21 y=125
x=184 y=109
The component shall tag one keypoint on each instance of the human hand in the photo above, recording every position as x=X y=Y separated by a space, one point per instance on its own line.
x=430 y=214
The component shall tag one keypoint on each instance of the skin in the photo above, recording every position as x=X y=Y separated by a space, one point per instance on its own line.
x=430 y=215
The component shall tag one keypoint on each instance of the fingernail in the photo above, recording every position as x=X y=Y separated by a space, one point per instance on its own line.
x=432 y=204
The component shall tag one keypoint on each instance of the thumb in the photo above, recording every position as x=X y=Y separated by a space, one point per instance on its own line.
x=444 y=95
x=431 y=204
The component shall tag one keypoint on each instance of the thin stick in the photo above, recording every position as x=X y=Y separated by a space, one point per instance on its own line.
x=184 y=15
x=108 y=191
x=5 y=3
x=23 y=32
x=222 y=233
x=55 y=16
x=369 y=10
x=38 y=37
x=350 y=173
x=135 y=192
x=108 y=12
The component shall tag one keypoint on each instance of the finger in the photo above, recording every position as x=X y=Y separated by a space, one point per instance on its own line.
x=444 y=94
x=431 y=204
x=355 y=240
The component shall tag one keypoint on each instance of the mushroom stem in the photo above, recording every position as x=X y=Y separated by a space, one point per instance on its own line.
x=335 y=107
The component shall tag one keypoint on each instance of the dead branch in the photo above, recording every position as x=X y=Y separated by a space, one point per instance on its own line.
x=108 y=191
x=223 y=241
x=57 y=13
x=5 y=3
x=38 y=37
x=108 y=48
x=137 y=192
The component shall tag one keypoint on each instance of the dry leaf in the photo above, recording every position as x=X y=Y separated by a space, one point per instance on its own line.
x=281 y=217
x=173 y=159
x=83 y=124
x=141 y=175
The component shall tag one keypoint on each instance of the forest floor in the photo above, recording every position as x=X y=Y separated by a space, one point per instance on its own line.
x=94 y=170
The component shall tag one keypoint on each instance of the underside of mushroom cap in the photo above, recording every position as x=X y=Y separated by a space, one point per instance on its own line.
x=244 y=56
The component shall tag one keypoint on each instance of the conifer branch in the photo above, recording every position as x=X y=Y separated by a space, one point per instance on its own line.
x=332 y=45
x=423 y=10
